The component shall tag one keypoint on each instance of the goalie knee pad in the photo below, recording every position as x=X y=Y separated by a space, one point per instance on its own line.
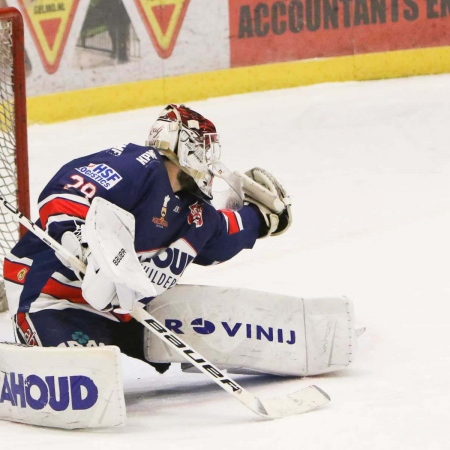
x=246 y=331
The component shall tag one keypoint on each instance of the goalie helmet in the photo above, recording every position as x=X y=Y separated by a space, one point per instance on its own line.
x=190 y=140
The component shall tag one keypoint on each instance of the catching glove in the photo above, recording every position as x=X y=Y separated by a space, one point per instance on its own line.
x=97 y=285
x=262 y=189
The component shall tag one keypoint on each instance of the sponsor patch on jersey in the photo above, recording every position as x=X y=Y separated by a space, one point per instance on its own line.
x=102 y=174
x=161 y=221
x=164 y=267
x=117 y=150
x=147 y=157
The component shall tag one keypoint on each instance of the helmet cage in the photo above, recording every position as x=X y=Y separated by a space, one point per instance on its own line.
x=197 y=151
x=190 y=140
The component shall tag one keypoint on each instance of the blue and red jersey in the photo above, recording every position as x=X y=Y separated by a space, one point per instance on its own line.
x=172 y=229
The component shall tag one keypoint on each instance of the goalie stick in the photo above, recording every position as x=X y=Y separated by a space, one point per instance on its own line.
x=301 y=401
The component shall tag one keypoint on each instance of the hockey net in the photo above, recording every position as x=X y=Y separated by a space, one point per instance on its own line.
x=13 y=132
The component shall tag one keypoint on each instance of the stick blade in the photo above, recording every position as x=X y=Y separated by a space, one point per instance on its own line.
x=298 y=402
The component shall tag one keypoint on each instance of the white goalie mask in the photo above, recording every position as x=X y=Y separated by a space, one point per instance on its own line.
x=191 y=141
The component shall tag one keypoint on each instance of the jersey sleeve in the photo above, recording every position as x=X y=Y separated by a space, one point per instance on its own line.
x=61 y=212
x=237 y=230
x=115 y=176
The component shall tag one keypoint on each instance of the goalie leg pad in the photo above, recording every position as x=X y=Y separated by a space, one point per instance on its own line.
x=247 y=331
x=61 y=388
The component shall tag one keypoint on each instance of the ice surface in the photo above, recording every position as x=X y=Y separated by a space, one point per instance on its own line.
x=368 y=168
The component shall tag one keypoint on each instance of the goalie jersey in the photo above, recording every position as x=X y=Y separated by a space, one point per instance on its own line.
x=172 y=230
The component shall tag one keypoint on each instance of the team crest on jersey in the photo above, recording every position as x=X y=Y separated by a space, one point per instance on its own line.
x=102 y=174
x=196 y=215
x=161 y=221
x=21 y=274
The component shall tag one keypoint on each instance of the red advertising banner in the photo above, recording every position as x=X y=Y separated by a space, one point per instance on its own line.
x=266 y=31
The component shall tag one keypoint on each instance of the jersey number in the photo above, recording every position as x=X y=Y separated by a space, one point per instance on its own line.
x=88 y=189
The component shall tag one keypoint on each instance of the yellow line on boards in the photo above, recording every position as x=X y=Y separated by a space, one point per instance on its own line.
x=185 y=88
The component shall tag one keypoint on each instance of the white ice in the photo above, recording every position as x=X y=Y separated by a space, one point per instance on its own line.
x=368 y=168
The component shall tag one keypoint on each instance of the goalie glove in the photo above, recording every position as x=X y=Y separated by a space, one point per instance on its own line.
x=264 y=191
x=74 y=242
x=109 y=230
x=103 y=293
x=98 y=289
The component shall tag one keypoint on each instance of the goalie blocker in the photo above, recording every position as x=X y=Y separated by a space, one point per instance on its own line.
x=253 y=332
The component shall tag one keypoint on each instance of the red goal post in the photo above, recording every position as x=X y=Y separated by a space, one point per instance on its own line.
x=14 y=184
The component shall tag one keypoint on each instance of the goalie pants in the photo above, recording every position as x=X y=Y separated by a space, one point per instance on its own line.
x=78 y=328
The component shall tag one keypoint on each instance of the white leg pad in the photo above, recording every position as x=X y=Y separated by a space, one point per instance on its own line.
x=62 y=387
x=247 y=331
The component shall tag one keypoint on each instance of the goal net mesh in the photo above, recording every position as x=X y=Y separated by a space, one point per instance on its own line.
x=9 y=228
